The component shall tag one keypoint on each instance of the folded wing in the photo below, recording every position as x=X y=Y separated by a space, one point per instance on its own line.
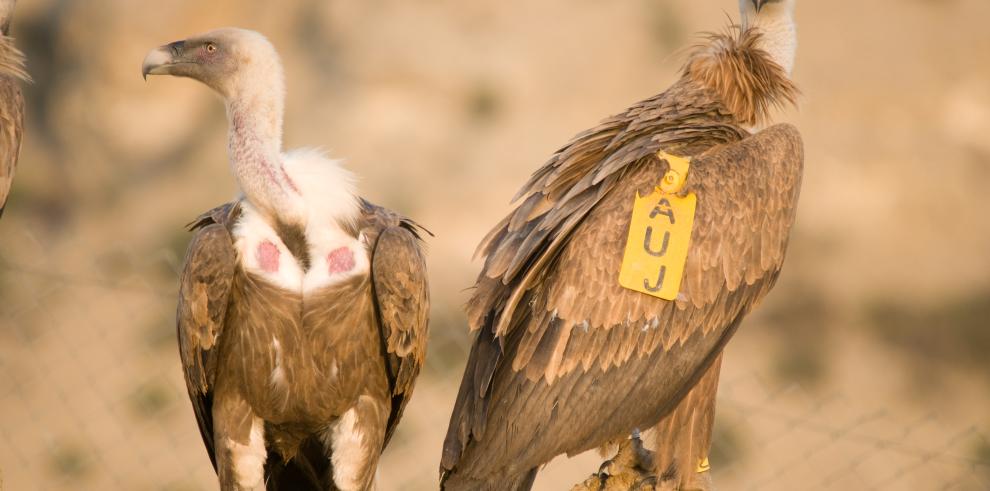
x=204 y=292
x=402 y=298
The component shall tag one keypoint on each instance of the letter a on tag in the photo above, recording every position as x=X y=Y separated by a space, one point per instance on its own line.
x=657 y=247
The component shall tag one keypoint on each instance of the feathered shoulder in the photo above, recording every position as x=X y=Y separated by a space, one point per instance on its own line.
x=225 y=214
x=382 y=217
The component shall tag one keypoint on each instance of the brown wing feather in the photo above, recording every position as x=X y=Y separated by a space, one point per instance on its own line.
x=204 y=291
x=745 y=211
x=684 y=118
x=586 y=354
x=402 y=298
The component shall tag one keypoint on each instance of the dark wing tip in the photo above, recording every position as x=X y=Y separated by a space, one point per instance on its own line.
x=415 y=228
x=224 y=214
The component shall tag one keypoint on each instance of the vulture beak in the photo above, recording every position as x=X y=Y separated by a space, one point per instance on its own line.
x=161 y=60
x=759 y=4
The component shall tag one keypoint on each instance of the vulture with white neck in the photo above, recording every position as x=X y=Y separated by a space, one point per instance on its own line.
x=568 y=356
x=12 y=74
x=302 y=316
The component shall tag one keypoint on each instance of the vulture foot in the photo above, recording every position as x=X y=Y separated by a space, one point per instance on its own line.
x=630 y=469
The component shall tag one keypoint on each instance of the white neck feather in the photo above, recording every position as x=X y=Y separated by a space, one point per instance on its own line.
x=779 y=32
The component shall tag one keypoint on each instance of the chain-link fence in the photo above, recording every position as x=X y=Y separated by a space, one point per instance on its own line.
x=92 y=398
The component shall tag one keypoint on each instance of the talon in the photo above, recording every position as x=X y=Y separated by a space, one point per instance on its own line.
x=647 y=484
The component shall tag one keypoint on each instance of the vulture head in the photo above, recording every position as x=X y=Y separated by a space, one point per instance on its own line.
x=752 y=9
x=775 y=21
x=758 y=5
x=234 y=62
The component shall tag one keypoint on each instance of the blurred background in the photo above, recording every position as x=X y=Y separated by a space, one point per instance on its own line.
x=867 y=368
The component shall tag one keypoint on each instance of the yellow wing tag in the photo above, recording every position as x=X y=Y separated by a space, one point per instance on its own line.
x=660 y=234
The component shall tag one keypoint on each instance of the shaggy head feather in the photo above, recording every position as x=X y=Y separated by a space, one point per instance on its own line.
x=12 y=60
x=744 y=76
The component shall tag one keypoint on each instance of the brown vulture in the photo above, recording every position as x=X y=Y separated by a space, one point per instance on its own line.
x=565 y=358
x=302 y=317
x=11 y=102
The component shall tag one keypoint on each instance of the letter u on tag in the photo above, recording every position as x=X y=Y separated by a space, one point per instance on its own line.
x=657 y=247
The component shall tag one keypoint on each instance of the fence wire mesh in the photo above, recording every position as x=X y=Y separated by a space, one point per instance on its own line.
x=92 y=397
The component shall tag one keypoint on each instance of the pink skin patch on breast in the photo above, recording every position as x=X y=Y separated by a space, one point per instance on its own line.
x=340 y=260
x=267 y=256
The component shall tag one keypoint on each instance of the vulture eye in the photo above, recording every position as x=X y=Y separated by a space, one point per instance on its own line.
x=210 y=47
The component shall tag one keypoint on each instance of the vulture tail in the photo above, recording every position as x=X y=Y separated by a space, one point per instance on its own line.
x=309 y=470
x=683 y=438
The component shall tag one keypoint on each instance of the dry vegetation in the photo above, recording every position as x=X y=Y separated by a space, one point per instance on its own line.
x=866 y=368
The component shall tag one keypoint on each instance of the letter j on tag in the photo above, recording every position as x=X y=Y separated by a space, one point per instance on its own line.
x=659 y=237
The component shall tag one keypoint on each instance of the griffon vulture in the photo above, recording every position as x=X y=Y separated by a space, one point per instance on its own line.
x=570 y=354
x=11 y=102
x=302 y=316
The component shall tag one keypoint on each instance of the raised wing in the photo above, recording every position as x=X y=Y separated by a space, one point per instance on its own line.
x=568 y=359
x=207 y=275
x=402 y=298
